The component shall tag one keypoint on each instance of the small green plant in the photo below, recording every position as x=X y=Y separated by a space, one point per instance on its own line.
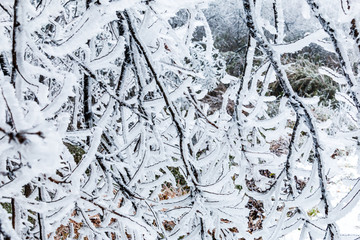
x=76 y=151
x=7 y=207
x=178 y=176
x=313 y=212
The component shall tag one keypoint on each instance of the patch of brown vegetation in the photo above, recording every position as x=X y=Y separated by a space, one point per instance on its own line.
x=63 y=231
x=256 y=215
x=169 y=192
x=279 y=147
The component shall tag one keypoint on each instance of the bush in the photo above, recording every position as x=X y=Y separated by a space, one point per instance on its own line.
x=307 y=82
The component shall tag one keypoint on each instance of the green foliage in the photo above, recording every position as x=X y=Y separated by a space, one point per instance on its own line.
x=234 y=62
x=178 y=177
x=313 y=212
x=76 y=151
x=7 y=207
x=307 y=82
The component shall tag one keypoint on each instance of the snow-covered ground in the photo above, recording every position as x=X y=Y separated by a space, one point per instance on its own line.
x=342 y=184
x=338 y=187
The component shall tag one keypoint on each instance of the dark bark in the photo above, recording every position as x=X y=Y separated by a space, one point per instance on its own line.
x=4 y=65
x=13 y=213
x=87 y=98
x=15 y=31
x=5 y=9
x=41 y=220
x=276 y=19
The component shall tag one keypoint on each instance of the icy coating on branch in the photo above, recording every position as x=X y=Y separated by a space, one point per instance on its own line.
x=106 y=133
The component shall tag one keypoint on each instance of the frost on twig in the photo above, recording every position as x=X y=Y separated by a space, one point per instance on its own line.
x=107 y=129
